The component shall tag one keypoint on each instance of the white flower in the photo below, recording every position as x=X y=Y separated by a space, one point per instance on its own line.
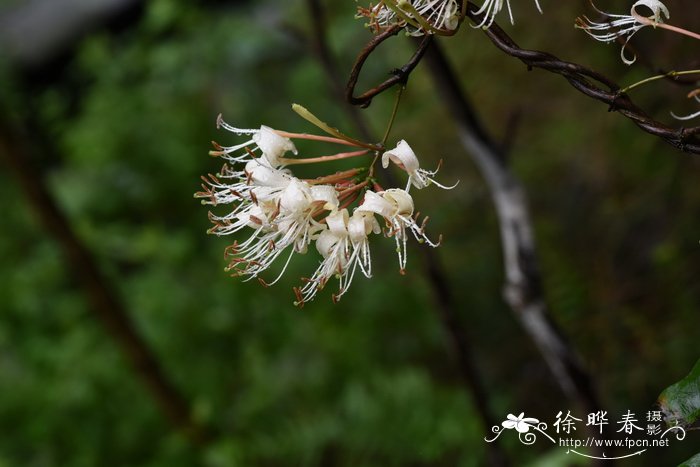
x=491 y=8
x=298 y=204
x=259 y=173
x=396 y=207
x=327 y=194
x=265 y=140
x=403 y=156
x=441 y=15
x=360 y=225
x=277 y=206
x=344 y=247
x=255 y=185
x=294 y=226
x=624 y=25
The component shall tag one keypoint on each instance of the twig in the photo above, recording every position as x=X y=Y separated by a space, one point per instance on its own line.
x=324 y=55
x=104 y=301
x=587 y=81
x=399 y=75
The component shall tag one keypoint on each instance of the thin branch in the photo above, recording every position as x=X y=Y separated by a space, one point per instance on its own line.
x=319 y=45
x=399 y=75
x=587 y=81
x=104 y=301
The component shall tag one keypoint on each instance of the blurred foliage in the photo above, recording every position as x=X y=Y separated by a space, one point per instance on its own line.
x=368 y=381
x=681 y=401
x=692 y=462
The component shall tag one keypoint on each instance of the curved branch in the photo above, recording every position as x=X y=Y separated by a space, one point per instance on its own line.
x=584 y=80
x=399 y=75
x=589 y=82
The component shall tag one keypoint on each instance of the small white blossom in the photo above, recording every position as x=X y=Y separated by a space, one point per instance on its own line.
x=491 y=8
x=360 y=226
x=403 y=156
x=344 y=247
x=624 y=25
x=279 y=207
x=256 y=184
x=266 y=141
x=298 y=204
x=396 y=207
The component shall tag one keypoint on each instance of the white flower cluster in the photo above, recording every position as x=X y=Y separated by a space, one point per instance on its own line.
x=283 y=212
x=421 y=17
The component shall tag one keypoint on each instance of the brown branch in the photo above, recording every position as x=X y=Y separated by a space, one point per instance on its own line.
x=319 y=45
x=399 y=75
x=104 y=301
x=587 y=81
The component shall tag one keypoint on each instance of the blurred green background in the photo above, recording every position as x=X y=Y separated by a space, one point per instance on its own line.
x=118 y=122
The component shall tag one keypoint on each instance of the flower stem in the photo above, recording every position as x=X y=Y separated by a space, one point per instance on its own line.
x=336 y=177
x=313 y=160
x=670 y=74
x=327 y=139
x=394 y=111
x=349 y=200
x=669 y=27
x=352 y=189
x=393 y=6
x=425 y=25
x=313 y=119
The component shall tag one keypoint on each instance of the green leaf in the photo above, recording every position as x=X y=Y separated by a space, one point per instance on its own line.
x=692 y=462
x=681 y=401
